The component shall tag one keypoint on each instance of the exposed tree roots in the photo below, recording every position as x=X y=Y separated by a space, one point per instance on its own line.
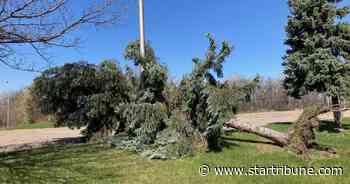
x=300 y=137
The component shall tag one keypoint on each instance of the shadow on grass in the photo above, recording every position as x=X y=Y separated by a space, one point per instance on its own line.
x=330 y=127
x=32 y=146
x=282 y=123
x=324 y=148
x=248 y=141
x=56 y=163
x=228 y=144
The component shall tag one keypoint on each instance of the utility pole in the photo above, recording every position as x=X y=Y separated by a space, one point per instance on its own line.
x=8 y=109
x=142 y=29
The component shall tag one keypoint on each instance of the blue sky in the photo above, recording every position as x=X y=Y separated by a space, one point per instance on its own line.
x=176 y=30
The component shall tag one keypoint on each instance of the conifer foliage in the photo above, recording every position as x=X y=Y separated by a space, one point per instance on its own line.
x=153 y=75
x=198 y=87
x=146 y=113
x=318 y=54
x=82 y=94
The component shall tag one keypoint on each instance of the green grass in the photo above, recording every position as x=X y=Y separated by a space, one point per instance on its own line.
x=41 y=124
x=100 y=164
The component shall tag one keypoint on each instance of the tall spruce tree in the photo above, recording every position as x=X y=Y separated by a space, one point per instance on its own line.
x=145 y=117
x=318 y=55
x=200 y=92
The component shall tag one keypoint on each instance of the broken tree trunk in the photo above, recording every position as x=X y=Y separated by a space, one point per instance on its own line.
x=275 y=136
x=300 y=137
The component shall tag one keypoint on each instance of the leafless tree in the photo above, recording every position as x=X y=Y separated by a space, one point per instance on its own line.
x=43 y=24
x=269 y=94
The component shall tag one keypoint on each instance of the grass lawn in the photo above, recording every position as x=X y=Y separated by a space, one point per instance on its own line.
x=100 y=164
x=41 y=124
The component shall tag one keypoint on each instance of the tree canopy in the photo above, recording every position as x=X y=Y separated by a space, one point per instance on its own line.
x=318 y=55
x=82 y=94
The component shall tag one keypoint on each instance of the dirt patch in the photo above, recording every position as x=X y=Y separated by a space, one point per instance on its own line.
x=12 y=140
x=264 y=118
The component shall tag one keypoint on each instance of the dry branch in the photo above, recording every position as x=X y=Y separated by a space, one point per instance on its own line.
x=42 y=24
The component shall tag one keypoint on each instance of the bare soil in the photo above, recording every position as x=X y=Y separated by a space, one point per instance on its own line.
x=12 y=140
x=264 y=118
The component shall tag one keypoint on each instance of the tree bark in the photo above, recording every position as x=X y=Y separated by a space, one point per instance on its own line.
x=300 y=137
x=337 y=114
x=277 y=137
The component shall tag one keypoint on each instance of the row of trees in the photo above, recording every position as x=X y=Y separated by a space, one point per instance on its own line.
x=269 y=94
x=19 y=107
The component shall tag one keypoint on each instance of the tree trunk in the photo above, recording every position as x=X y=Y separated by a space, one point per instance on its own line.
x=300 y=137
x=337 y=114
x=277 y=137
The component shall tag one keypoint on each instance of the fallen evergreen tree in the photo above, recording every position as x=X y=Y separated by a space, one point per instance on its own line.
x=82 y=95
x=165 y=128
x=300 y=138
x=135 y=111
